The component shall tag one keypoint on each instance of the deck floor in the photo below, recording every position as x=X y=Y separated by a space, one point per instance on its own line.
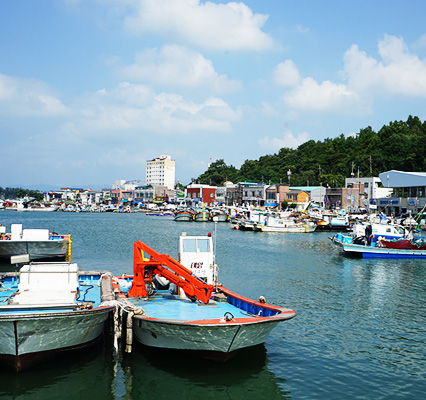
x=171 y=307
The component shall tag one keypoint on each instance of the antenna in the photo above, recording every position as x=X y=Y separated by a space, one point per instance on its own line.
x=371 y=167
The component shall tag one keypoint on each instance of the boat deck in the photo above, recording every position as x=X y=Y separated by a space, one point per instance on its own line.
x=171 y=307
x=89 y=291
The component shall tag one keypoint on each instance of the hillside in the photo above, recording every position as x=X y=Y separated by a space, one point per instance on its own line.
x=399 y=145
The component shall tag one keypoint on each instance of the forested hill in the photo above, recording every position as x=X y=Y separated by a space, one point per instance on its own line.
x=399 y=145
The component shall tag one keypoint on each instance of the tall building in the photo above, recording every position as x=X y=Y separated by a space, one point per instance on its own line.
x=161 y=171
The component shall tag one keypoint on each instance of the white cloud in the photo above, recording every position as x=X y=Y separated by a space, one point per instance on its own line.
x=176 y=66
x=397 y=72
x=286 y=74
x=230 y=26
x=25 y=97
x=135 y=110
x=288 y=140
x=326 y=96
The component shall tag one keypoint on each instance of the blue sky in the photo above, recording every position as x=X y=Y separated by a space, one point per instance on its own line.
x=92 y=89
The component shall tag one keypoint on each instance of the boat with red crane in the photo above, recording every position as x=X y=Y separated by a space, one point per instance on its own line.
x=179 y=304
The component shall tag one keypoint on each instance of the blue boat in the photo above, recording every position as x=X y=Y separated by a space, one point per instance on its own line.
x=179 y=305
x=50 y=308
x=383 y=241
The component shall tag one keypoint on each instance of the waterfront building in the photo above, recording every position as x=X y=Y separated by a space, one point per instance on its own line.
x=251 y=193
x=200 y=195
x=161 y=172
x=316 y=194
x=372 y=187
x=121 y=195
x=220 y=195
x=153 y=193
x=350 y=199
x=298 y=199
x=408 y=192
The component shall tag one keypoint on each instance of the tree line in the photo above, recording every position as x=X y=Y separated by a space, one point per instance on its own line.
x=398 y=145
x=17 y=193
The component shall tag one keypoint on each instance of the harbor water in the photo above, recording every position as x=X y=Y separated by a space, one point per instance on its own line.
x=360 y=332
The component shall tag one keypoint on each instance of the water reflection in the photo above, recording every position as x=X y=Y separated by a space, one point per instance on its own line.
x=84 y=374
x=182 y=376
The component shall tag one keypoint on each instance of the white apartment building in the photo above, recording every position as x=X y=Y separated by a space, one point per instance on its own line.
x=161 y=171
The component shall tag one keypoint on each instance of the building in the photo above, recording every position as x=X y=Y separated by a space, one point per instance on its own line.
x=316 y=193
x=201 y=195
x=350 y=199
x=298 y=199
x=251 y=193
x=161 y=172
x=151 y=194
x=372 y=188
x=220 y=195
x=409 y=192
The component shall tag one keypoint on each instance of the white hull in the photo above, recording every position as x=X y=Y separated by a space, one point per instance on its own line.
x=224 y=338
x=289 y=229
x=25 y=338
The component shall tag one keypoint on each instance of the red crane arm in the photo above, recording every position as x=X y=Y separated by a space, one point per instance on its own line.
x=162 y=264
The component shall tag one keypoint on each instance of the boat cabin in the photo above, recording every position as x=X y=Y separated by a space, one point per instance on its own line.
x=196 y=254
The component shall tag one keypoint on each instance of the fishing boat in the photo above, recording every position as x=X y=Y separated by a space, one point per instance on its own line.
x=220 y=216
x=381 y=241
x=286 y=225
x=49 y=308
x=332 y=222
x=202 y=216
x=179 y=305
x=37 y=243
x=184 y=216
x=369 y=233
x=384 y=249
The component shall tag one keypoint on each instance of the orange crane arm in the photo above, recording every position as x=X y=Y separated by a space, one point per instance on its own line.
x=162 y=264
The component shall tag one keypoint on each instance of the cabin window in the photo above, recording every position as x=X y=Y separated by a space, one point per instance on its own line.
x=190 y=245
x=203 y=245
x=196 y=246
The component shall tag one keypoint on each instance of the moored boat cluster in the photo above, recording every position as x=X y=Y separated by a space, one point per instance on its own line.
x=52 y=307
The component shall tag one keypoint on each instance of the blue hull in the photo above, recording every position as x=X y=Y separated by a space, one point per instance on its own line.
x=374 y=255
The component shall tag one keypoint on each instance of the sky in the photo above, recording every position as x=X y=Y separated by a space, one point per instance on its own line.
x=92 y=89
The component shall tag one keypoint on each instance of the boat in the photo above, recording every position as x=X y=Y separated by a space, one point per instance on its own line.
x=384 y=251
x=332 y=222
x=184 y=215
x=287 y=225
x=179 y=305
x=37 y=243
x=384 y=241
x=251 y=221
x=220 y=216
x=247 y=225
x=202 y=216
x=50 y=308
x=377 y=231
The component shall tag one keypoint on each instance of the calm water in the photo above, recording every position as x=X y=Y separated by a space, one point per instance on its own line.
x=360 y=332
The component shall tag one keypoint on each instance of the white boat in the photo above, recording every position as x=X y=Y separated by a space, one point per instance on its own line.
x=333 y=222
x=42 y=208
x=377 y=232
x=50 y=308
x=287 y=225
x=37 y=243
x=193 y=313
